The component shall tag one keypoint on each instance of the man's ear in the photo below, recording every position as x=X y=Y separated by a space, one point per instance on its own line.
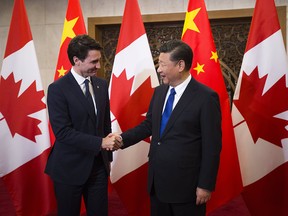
x=181 y=65
x=76 y=60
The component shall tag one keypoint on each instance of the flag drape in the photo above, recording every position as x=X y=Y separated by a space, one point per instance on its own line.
x=73 y=25
x=260 y=115
x=206 y=69
x=24 y=136
x=131 y=87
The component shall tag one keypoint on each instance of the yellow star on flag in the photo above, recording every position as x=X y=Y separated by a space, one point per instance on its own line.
x=68 y=29
x=61 y=71
x=199 y=68
x=189 y=21
x=214 y=56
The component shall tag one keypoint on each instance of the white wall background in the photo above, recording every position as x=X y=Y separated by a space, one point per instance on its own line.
x=46 y=19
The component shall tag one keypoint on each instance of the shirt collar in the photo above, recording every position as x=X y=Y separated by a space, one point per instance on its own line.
x=179 y=89
x=80 y=79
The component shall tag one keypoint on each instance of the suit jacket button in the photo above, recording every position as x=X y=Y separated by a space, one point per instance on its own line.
x=159 y=143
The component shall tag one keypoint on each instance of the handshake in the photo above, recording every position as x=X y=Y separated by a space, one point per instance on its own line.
x=112 y=142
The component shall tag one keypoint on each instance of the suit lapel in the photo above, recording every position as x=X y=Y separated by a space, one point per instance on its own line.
x=75 y=89
x=185 y=99
x=97 y=95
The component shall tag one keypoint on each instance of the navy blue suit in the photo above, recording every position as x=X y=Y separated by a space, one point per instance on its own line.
x=78 y=134
x=187 y=155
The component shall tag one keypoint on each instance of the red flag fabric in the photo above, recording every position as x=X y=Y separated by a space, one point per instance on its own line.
x=260 y=115
x=73 y=25
x=131 y=88
x=23 y=122
x=206 y=69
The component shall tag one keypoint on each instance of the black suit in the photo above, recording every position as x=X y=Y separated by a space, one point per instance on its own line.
x=187 y=154
x=77 y=148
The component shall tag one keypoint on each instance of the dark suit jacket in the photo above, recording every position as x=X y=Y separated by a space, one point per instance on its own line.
x=78 y=134
x=187 y=155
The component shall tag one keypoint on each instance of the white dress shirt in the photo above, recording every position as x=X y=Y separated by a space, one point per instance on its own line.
x=179 y=89
x=80 y=80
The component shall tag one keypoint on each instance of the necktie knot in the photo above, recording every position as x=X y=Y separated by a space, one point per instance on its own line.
x=172 y=92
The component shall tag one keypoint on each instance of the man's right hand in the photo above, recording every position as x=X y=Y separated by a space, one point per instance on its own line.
x=112 y=142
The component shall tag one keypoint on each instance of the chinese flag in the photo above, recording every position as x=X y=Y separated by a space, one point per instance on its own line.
x=206 y=69
x=73 y=25
x=131 y=87
x=260 y=115
x=24 y=136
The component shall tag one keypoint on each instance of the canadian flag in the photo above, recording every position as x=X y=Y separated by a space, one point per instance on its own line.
x=260 y=114
x=24 y=132
x=132 y=84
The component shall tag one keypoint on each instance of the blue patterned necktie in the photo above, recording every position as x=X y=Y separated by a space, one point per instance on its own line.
x=167 y=111
x=88 y=95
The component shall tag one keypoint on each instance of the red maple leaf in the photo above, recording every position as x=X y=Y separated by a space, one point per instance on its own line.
x=16 y=109
x=259 y=110
x=129 y=110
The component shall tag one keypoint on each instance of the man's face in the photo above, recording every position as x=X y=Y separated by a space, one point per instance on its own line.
x=168 y=70
x=90 y=65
